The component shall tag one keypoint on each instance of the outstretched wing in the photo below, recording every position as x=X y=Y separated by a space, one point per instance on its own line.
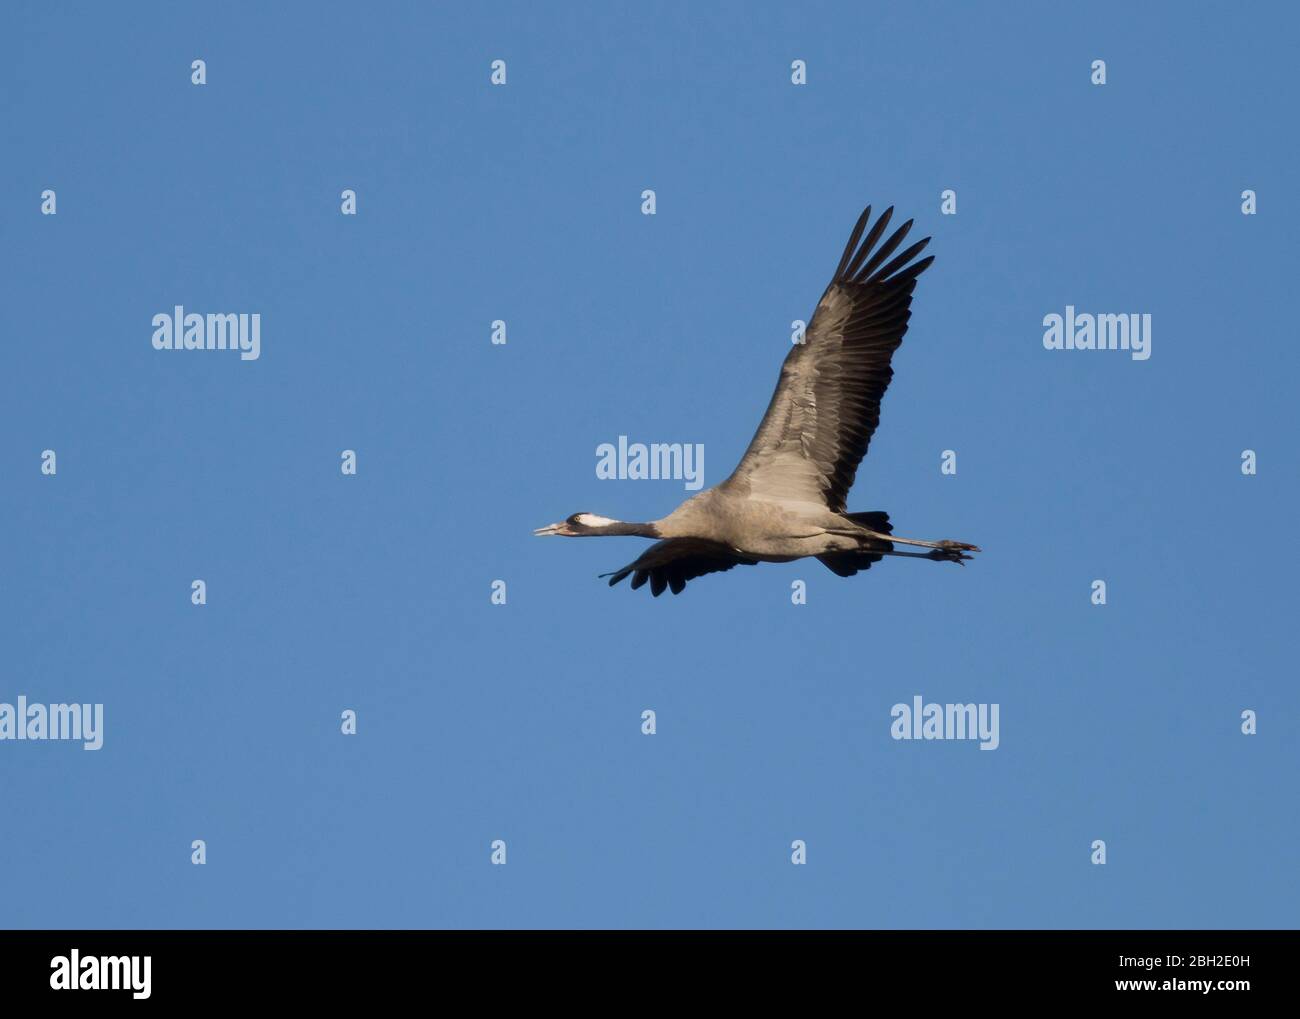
x=827 y=401
x=671 y=563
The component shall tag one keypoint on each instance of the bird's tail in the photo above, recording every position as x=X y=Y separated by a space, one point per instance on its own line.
x=876 y=520
x=846 y=564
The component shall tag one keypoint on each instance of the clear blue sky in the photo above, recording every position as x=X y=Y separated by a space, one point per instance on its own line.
x=522 y=722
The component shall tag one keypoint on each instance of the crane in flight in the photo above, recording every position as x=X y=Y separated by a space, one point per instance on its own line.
x=787 y=497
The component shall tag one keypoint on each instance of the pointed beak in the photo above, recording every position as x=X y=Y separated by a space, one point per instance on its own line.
x=560 y=528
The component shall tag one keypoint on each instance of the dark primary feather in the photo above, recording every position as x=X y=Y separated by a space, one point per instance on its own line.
x=671 y=563
x=827 y=401
x=847 y=564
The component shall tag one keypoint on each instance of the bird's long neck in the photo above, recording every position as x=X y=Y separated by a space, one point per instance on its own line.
x=623 y=528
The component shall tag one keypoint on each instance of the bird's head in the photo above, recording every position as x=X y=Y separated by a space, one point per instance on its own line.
x=579 y=525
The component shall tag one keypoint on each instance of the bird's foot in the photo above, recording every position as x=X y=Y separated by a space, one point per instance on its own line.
x=953 y=552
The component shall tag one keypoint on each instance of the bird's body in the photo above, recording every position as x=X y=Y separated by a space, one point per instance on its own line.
x=764 y=530
x=786 y=498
